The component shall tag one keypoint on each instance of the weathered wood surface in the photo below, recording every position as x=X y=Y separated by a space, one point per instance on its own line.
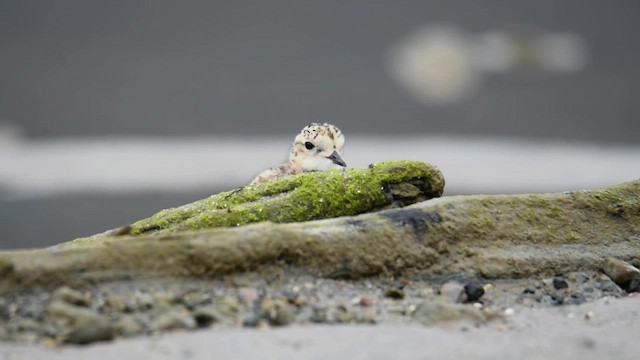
x=309 y=196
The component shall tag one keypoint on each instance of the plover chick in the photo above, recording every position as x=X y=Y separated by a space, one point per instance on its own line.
x=318 y=147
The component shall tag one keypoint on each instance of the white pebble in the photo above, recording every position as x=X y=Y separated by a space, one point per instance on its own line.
x=509 y=312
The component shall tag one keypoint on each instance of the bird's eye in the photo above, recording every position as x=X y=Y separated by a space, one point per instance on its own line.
x=309 y=145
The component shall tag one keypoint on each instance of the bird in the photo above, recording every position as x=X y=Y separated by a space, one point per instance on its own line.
x=318 y=147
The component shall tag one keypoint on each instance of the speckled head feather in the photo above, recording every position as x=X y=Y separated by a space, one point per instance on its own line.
x=317 y=147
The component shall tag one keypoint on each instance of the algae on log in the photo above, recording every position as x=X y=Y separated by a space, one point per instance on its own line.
x=489 y=236
x=303 y=197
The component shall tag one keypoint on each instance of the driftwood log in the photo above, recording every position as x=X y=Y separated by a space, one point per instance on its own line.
x=488 y=236
x=304 y=197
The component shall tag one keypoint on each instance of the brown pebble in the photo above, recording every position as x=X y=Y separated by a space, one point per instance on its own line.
x=453 y=291
x=366 y=302
x=622 y=273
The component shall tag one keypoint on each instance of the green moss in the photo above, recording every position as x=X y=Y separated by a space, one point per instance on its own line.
x=554 y=211
x=482 y=222
x=303 y=197
x=573 y=236
x=536 y=200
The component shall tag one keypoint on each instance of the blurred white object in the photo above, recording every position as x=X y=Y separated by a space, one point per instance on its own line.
x=443 y=64
x=435 y=64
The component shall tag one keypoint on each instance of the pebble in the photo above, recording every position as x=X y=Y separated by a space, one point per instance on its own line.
x=294 y=297
x=605 y=284
x=474 y=291
x=276 y=313
x=164 y=298
x=366 y=302
x=560 y=283
x=454 y=291
x=128 y=326
x=228 y=307
x=50 y=330
x=557 y=299
x=175 y=318
x=588 y=315
x=394 y=293
x=140 y=301
x=80 y=324
x=622 y=273
x=91 y=330
x=115 y=303
x=320 y=314
x=575 y=299
x=305 y=314
x=251 y=321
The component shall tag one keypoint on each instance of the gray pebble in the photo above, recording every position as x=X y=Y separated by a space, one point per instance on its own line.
x=128 y=326
x=82 y=325
x=320 y=314
x=474 y=291
x=175 y=318
x=228 y=306
x=92 y=330
x=277 y=313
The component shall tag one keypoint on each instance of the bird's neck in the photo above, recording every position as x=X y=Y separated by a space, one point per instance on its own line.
x=293 y=166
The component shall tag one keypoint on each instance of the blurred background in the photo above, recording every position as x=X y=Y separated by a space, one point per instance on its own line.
x=113 y=110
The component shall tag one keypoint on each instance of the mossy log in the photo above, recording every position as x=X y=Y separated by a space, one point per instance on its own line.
x=488 y=236
x=304 y=197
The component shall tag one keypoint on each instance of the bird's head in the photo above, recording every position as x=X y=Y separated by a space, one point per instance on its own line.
x=318 y=147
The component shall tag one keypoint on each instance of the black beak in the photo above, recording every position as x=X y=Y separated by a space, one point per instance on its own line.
x=337 y=159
